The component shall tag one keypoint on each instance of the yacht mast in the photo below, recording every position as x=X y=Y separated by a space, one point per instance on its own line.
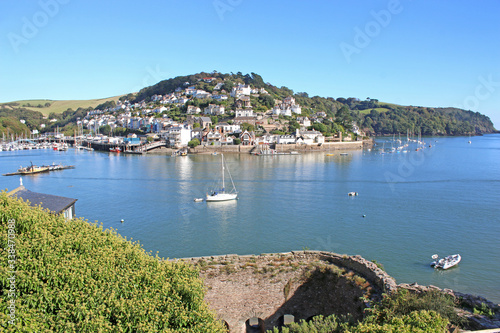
x=222 y=159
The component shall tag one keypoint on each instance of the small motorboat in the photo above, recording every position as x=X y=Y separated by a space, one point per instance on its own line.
x=198 y=199
x=352 y=194
x=446 y=262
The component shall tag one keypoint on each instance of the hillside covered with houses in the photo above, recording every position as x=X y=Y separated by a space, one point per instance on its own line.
x=217 y=109
x=240 y=109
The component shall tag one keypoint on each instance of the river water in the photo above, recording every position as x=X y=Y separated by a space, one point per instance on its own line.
x=444 y=200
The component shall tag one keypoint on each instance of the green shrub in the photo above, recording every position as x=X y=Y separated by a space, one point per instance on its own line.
x=193 y=143
x=484 y=310
x=416 y=322
x=73 y=276
x=330 y=324
x=403 y=303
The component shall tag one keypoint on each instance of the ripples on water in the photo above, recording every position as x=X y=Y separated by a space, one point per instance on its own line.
x=441 y=200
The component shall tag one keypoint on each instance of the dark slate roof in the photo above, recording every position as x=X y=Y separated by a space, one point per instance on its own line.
x=53 y=203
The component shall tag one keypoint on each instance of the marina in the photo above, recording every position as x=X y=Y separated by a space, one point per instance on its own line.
x=299 y=201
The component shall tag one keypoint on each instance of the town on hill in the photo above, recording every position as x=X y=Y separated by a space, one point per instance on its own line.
x=235 y=109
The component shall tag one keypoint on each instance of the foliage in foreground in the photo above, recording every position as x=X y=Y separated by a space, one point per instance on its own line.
x=72 y=276
x=401 y=312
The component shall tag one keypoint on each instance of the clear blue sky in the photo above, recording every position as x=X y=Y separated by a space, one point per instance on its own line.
x=427 y=53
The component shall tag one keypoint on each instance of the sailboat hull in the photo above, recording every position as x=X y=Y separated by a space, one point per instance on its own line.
x=222 y=197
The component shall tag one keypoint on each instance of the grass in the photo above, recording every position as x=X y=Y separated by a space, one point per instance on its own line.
x=60 y=106
x=367 y=111
x=383 y=107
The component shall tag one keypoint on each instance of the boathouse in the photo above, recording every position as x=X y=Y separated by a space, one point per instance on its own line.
x=55 y=204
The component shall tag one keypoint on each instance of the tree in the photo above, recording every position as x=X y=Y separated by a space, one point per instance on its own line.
x=106 y=130
x=267 y=101
x=196 y=125
x=237 y=141
x=193 y=143
x=228 y=86
x=247 y=127
x=343 y=117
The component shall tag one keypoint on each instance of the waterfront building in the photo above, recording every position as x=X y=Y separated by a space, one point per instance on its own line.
x=55 y=204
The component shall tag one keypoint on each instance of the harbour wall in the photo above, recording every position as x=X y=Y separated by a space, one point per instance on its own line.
x=285 y=148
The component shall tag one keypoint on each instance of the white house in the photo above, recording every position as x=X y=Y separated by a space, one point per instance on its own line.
x=289 y=100
x=214 y=136
x=191 y=109
x=286 y=139
x=282 y=110
x=309 y=137
x=296 y=109
x=214 y=109
x=220 y=97
x=228 y=128
x=244 y=113
x=240 y=89
x=304 y=121
x=190 y=90
x=178 y=135
x=202 y=94
x=160 y=109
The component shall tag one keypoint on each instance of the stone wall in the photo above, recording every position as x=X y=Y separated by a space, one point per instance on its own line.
x=299 y=283
x=264 y=289
x=283 y=147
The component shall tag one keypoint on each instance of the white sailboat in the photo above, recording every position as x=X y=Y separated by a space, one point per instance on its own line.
x=221 y=194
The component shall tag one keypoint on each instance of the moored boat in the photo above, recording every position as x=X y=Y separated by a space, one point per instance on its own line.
x=221 y=194
x=446 y=262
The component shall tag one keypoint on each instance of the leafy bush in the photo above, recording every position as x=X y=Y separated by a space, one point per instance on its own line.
x=73 y=276
x=404 y=303
x=484 y=310
x=401 y=312
x=415 y=322
x=330 y=324
x=193 y=143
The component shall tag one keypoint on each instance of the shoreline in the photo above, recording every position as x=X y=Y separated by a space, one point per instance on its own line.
x=280 y=148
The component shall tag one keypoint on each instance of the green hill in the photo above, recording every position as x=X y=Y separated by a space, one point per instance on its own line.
x=73 y=276
x=47 y=106
x=370 y=115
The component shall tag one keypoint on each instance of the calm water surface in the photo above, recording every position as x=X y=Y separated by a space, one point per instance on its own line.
x=444 y=199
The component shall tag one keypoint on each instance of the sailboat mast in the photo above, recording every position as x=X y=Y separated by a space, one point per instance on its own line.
x=222 y=159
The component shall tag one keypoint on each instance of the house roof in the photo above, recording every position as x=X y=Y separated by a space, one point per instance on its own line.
x=53 y=203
